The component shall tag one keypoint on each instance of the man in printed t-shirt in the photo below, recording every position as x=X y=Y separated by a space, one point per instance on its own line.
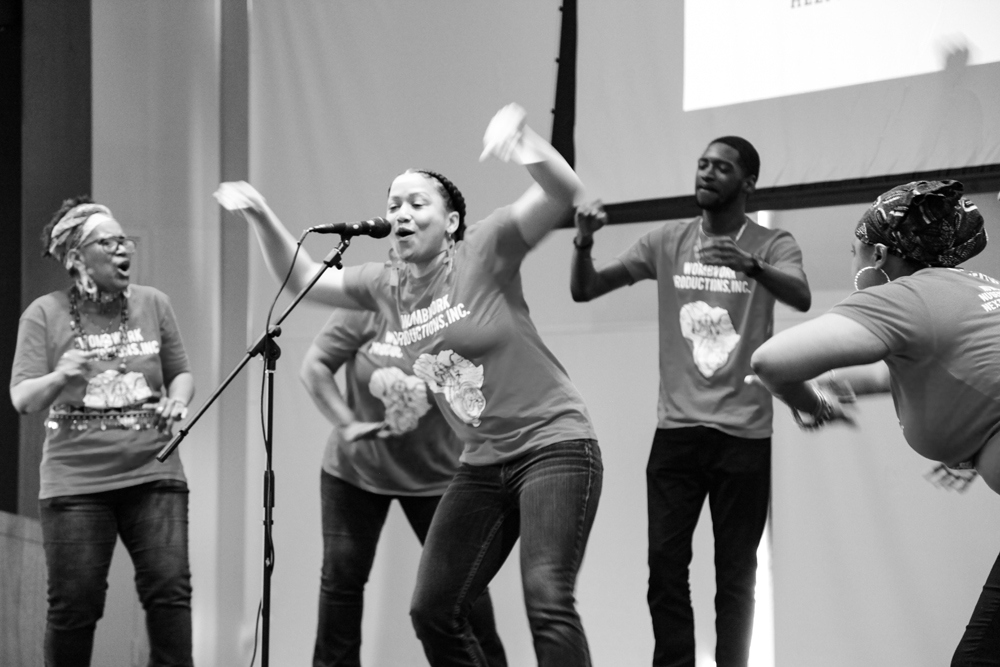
x=718 y=278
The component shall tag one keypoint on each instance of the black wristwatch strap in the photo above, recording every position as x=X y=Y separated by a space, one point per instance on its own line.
x=756 y=268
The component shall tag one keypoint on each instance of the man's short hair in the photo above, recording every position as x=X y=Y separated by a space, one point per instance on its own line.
x=749 y=159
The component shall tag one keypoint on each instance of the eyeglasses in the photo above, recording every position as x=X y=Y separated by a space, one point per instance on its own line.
x=111 y=244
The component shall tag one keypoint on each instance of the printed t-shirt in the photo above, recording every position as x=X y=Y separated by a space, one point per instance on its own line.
x=79 y=456
x=469 y=335
x=420 y=456
x=942 y=328
x=711 y=320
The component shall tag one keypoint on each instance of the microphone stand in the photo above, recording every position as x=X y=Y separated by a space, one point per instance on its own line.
x=268 y=348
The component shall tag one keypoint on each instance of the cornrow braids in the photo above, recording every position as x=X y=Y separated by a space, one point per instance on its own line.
x=453 y=198
x=65 y=208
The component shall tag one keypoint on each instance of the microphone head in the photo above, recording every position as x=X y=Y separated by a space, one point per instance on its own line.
x=379 y=227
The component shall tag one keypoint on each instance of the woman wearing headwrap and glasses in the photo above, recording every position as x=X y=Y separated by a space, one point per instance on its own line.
x=106 y=359
x=929 y=333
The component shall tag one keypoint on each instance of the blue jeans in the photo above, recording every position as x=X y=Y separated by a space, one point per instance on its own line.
x=79 y=535
x=352 y=522
x=980 y=645
x=686 y=465
x=548 y=498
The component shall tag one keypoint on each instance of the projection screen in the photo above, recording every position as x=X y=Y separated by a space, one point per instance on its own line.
x=827 y=90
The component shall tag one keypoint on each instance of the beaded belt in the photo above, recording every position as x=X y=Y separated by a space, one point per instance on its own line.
x=130 y=418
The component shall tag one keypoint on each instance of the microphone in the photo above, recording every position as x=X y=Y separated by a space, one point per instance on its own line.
x=377 y=227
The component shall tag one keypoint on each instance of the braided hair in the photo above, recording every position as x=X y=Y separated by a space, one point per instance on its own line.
x=453 y=199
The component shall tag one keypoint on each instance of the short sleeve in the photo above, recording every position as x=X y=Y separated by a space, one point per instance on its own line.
x=345 y=332
x=364 y=283
x=31 y=356
x=497 y=244
x=896 y=314
x=640 y=259
x=173 y=357
x=784 y=252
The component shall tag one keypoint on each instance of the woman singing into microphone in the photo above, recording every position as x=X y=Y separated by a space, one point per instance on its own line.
x=531 y=467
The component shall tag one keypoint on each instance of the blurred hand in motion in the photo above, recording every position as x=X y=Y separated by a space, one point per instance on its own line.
x=74 y=364
x=504 y=133
x=239 y=196
x=838 y=393
x=836 y=387
x=357 y=430
x=723 y=251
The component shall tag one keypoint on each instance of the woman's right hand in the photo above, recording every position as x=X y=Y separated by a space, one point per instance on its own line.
x=74 y=364
x=357 y=430
x=239 y=196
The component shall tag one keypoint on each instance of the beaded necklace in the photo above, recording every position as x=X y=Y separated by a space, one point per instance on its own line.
x=116 y=349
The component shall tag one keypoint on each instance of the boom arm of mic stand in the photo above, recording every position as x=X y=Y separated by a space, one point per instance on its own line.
x=333 y=259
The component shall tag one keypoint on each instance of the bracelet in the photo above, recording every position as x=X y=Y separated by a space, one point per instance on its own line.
x=757 y=265
x=820 y=416
x=585 y=246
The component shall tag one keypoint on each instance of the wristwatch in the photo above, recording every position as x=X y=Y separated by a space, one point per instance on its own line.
x=755 y=266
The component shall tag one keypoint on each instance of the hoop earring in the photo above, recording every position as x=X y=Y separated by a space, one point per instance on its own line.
x=862 y=281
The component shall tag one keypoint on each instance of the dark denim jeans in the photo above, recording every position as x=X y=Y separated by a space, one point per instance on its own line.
x=685 y=466
x=548 y=498
x=352 y=522
x=980 y=645
x=79 y=534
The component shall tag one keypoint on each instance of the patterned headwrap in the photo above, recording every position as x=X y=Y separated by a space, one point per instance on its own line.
x=73 y=228
x=927 y=222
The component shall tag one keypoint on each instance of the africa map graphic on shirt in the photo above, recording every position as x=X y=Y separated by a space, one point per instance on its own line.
x=404 y=397
x=456 y=377
x=112 y=389
x=711 y=333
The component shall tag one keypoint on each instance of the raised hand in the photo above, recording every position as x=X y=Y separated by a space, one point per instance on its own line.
x=239 y=196
x=504 y=134
x=590 y=217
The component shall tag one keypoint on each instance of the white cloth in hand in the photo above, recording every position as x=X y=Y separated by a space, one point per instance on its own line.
x=238 y=195
x=504 y=137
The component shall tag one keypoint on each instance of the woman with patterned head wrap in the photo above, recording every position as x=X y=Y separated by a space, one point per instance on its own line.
x=105 y=358
x=929 y=333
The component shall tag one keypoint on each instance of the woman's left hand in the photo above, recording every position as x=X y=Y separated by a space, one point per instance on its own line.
x=239 y=196
x=838 y=398
x=504 y=133
x=168 y=411
x=357 y=430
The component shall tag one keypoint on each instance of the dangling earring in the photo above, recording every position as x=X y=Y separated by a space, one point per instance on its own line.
x=449 y=255
x=84 y=283
x=394 y=268
x=864 y=281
